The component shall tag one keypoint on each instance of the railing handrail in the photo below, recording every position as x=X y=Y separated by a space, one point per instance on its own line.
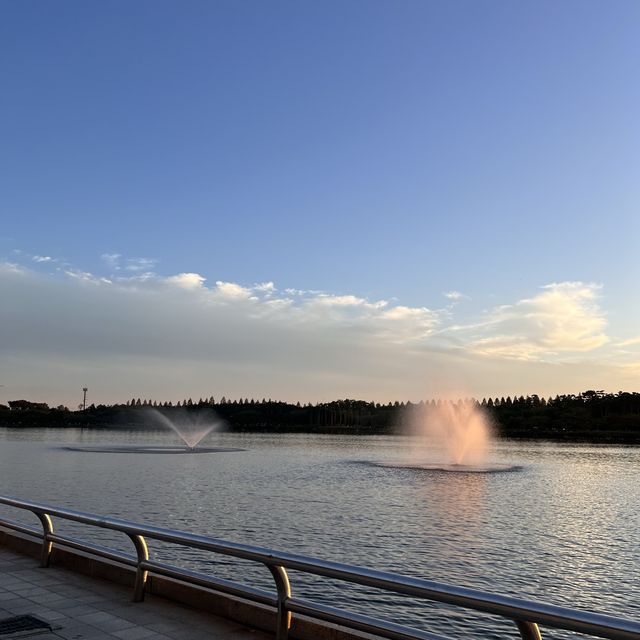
x=515 y=609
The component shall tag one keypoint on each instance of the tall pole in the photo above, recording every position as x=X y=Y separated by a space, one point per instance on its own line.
x=84 y=398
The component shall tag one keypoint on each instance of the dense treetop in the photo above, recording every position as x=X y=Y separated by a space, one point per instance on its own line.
x=592 y=416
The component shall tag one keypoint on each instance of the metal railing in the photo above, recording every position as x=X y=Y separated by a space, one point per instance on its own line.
x=525 y=614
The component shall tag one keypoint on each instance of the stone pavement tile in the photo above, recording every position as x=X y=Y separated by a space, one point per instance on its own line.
x=30 y=575
x=29 y=590
x=140 y=615
x=166 y=627
x=53 y=586
x=53 y=616
x=23 y=607
x=88 y=598
x=17 y=563
x=48 y=599
x=126 y=611
x=14 y=574
x=79 y=631
x=10 y=581
x=9 y=605
x=106 y=621
x=73 y=629
x=113 y=607
x=71 y=591
x=137 y=633
x=82 y=608
x=48 y=578
x=73 y=610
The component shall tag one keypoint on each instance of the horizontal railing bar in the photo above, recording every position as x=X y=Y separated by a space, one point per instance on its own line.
x=505 y=606
x=21 y=528
x=95 y=549
x=358 y=621
x=210 y=582
x=513 y=608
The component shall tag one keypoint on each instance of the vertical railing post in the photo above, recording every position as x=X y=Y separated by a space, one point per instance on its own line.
x=142 y=574
x=283 y=616
x=47 y=544
x=528 y=630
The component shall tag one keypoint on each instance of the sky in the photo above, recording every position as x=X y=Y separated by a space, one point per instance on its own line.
x=309 y=201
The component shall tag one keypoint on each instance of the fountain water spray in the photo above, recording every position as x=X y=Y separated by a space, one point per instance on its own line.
x=192 y=428
x=461 y=432
x=449 y=436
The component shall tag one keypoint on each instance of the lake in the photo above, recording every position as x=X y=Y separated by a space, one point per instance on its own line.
x=563 y=528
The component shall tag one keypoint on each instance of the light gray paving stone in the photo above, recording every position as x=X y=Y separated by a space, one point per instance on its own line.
x=135 y=633
x=10 y=582
x=53 y=616
x=23 y=608
x=73 y=610
x=23 y=592
x=96 y=618
x=81 y=608
x=47 y=599
x=81 y=632
x=165 y=627
x=107 y=622
x=9 y=605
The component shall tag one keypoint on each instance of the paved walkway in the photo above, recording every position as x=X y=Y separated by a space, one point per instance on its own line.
x=82 y=608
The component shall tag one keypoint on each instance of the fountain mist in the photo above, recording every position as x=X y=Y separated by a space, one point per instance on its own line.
x=460 y=432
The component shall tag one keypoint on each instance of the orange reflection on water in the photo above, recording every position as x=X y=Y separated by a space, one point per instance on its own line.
x=456 y=499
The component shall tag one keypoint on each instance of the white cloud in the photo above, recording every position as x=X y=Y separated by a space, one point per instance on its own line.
x=140 y=264
x=112 y=260
x=327 y=300
x=454 y=295
x=266 y=287
x=344 y=303
x=232 y=291
x=116 y=262
x=12 y=267
x=564 y=318
x=180 y=335
x=631 y=342
x=42 y=258
x=402 y=324
x=189 y=281
x=148 y=276
x=408 y=313
x=85 y=276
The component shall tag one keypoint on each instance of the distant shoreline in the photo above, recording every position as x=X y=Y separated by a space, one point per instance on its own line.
x=592 y=437
x=589 y=417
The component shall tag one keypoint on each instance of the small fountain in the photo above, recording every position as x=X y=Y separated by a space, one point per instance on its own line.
x=191 y=426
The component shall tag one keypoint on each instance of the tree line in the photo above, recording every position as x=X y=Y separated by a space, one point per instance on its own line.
x=592 y=415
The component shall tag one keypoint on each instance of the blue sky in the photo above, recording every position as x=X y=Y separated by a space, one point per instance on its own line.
x=388 y=151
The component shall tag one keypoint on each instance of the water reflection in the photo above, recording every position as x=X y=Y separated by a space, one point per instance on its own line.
x=456 y=500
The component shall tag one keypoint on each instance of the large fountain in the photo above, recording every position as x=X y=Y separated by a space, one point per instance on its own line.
x=450 y=436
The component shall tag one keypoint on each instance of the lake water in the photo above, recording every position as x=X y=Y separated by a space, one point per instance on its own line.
x=563 y=529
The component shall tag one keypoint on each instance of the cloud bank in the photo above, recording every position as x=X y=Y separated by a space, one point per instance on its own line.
x=564 y=317
x=133 y=332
